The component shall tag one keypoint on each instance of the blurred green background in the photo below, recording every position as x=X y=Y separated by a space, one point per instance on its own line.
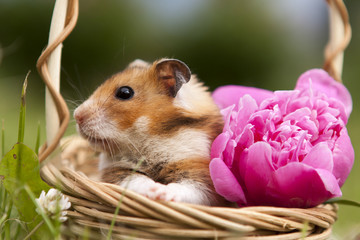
x=260 y=43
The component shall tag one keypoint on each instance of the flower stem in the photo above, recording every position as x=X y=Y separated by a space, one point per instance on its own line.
x=42 y=213
x=305 y=230
x=2 y=219
x=34 y=230
x=18 y=230
x=108 y=237
x=7 y=224
x=3 y=139
x=4 y=199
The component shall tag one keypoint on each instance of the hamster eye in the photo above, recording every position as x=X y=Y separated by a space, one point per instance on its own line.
x=124 y=93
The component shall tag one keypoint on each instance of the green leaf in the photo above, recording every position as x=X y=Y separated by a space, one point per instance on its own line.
x=21 y=166
x=37 y=145
x=344 y=202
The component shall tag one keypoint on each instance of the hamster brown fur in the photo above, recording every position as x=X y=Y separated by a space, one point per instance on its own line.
x=154 y=124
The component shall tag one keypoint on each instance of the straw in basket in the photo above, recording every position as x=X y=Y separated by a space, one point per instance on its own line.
x=94 y=203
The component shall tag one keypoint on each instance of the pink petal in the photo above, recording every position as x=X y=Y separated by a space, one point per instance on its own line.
x=282 y=99
x=258 y=171
x=219 y=145
x=298 y=114
x=320 y=156
x=228 y=155
x=240 y=172
x=258 y=121
x=296 y=153
x=300 y=185
x=225 y=182
x=330 y=182
x=310 y=126
x=343 y=154
x=321 y=82
x=247 y=106
x=246 y=138
x=227 y=112
x=339 y=106
x=299 y=102
x=326 y=119
x=227 y=95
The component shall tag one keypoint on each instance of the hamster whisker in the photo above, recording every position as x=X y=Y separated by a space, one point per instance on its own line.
x=105 y=108
x=76 y=87
x=75 y=103
x=128 y=140
x=105 y=140
x=117 y=146
x=102 y=104
x=133 y=145
x=110 y=148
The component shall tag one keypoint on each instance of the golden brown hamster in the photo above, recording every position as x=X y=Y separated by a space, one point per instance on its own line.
x=154 y=124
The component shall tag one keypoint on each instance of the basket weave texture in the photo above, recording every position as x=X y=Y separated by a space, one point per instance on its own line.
x=94 y=203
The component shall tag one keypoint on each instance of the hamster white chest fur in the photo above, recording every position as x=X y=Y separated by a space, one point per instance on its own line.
x=154 y=124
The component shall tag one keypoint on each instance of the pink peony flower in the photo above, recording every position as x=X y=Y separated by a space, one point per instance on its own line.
x=283 y=148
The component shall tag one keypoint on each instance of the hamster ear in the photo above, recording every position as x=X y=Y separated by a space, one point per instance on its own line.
x=138 y=63
x=172 y=73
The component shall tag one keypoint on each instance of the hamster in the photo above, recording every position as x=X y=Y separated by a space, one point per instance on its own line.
x=154 y=124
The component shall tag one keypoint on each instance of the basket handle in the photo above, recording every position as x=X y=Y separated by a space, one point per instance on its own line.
x=339 y=39
x=340 y=35
x=63 y=22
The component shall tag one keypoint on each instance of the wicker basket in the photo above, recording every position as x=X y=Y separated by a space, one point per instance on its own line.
x=94 y=203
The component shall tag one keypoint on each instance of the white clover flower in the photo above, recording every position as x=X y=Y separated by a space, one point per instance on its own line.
x=53 y=203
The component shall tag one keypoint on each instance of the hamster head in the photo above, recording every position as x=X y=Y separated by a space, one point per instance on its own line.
x=111 y=118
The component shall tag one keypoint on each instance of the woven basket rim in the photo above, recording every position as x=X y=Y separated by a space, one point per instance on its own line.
x=94 y=204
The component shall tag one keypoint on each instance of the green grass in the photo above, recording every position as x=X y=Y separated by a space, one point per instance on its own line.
x=21 y=182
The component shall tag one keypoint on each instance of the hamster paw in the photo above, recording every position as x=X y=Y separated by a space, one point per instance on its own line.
x=162 y=192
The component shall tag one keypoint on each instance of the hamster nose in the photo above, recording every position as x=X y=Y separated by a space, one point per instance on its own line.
x=79 y=117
